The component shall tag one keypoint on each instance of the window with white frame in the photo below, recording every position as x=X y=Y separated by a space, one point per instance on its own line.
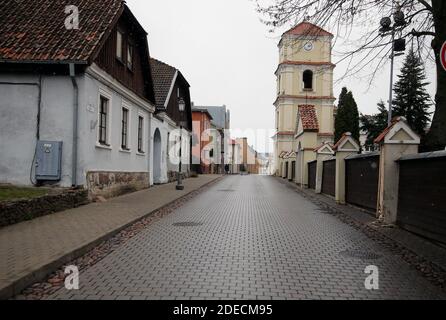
x=130 y=56
x=140 y=134
x=125 y=129
x=119 y=44
x=104 y=110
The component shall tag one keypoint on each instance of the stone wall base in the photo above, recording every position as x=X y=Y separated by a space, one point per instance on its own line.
x=112 y=184
x=12 y=212
x=172 y=176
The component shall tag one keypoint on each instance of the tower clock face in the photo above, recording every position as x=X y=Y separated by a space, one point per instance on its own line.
x=308 y=46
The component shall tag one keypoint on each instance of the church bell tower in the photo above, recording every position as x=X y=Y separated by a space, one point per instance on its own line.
x=305 y=102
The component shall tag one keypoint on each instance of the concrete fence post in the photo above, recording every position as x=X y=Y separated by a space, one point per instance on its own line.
x=345 y=147
x=395 y=141
x=323 y=153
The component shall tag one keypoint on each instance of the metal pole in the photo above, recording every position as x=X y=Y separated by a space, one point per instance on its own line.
x=392 y=58
x=179 y=181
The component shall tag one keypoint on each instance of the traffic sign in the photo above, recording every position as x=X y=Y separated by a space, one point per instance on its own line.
x=443 y=56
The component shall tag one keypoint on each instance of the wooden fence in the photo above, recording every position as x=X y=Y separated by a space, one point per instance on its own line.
x=422 y=195
x=361 y=180
x=312 y=174
x=329 y=177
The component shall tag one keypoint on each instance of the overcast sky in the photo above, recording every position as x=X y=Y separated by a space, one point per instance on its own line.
x=229 y=57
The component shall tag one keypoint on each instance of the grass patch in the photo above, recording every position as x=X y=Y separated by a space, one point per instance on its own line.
x=15 y=193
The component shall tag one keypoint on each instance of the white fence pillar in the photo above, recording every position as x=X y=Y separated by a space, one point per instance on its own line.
x=395 y=141
x=324 y=152
x=344 y=147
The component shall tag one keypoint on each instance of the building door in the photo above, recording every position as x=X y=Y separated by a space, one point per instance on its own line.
x=157 y=157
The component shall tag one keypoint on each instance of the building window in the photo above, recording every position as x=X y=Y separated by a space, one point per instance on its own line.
x=130 y=57
x=119 y=44
x=125 y=129
x=103 y=120
x=140 y=134
x=308 y=80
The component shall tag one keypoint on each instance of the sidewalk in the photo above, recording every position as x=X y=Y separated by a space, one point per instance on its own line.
x=30 y=250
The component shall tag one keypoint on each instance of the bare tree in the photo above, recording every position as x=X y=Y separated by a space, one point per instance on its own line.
x=425 y=27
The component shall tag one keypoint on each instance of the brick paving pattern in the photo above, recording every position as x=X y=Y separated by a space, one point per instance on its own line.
x=27 y=247
x=254 y=238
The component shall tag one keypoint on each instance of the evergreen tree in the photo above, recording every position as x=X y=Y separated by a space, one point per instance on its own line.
x=374 y=124
x=347 y=116
x=411 y=98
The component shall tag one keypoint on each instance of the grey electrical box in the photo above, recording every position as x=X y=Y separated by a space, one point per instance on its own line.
x=48 y=160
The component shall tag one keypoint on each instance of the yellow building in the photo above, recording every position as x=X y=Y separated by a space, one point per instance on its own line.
x=305 y=101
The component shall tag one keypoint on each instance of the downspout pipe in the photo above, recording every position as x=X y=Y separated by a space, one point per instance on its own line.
x=75 y=125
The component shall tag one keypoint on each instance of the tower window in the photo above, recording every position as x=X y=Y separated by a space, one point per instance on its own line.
x=308 y=80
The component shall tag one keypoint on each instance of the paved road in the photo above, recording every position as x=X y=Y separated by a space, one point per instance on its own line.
x=257 y=239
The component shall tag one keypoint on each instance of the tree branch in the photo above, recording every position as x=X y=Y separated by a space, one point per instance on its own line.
x=422 y=33
x=427 y=5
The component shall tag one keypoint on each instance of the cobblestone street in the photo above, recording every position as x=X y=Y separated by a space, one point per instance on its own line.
x=249 y=237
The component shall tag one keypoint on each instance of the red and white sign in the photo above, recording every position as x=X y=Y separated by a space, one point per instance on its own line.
x=443 y=55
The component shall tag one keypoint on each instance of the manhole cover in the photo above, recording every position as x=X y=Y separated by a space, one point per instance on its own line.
x=187 y=224
x=360 y=254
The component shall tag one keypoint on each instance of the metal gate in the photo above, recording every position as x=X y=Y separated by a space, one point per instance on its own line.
x=286 y=170
x=422 y=196
x=312 y=174
x=329 y=177
x=293 y=170
x=361 y=180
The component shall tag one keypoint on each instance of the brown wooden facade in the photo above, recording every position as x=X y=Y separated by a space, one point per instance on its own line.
x=180 y=90
x=138 y=78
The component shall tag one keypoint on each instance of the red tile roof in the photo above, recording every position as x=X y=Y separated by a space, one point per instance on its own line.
x=307 y=114
x=308 y=29
x=163 y=75
x=383 y=134
x=34 y=30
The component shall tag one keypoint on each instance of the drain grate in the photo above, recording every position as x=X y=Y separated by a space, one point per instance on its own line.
x=360 y=254
x=187 y=224
x=226 y=190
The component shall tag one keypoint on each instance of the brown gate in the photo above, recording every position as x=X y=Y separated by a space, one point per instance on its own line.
x=293 y=170
x=286 y=170
x=361 y=180
x=422 y=195
x=329 y=177
x=312 y=174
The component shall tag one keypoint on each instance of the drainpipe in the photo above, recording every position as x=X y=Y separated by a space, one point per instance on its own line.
x=75 y=125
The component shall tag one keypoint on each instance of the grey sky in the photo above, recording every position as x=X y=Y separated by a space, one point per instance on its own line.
x=228 y=57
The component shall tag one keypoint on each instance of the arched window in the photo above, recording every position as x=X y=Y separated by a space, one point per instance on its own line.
x=308 y=80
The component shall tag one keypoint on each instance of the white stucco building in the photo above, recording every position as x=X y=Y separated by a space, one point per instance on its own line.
x=89 y=90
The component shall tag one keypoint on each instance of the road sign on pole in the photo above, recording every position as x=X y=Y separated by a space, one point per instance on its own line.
x=443 y=55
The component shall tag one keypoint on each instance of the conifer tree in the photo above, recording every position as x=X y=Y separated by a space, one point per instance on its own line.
x=374 y=124
x=411 y=98
x=347 y=116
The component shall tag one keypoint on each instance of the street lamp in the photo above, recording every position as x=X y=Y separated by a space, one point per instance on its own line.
x=398 y=45
x=181 y=107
